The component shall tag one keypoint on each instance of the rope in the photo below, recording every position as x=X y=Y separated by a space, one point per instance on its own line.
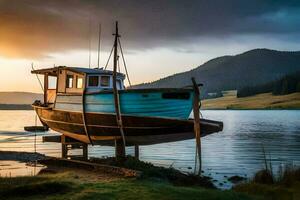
x=124 y=62
x=38 y=78
x=109 y=57
x=118 y=61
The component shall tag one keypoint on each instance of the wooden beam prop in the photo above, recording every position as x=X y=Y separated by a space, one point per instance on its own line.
x=119 y=152
x=45 y=88
x=197 y=123
x=136 y=151
x=84 y=117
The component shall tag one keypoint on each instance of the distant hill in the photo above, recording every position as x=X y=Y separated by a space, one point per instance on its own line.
x=258 y=66
x=19 y=97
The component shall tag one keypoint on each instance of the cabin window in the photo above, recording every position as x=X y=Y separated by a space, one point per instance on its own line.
x=79 y=83
x=176 y=95
x=52 y=82
x=93 y=81
x=69 y=81
x=105 y=81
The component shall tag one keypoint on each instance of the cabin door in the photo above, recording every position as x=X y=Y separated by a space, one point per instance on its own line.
x=51 y=90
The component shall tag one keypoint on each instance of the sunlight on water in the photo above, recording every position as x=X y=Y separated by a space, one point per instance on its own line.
x=235 y=151
x=10 y=168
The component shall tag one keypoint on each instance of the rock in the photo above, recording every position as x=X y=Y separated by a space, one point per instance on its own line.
x=236 y=179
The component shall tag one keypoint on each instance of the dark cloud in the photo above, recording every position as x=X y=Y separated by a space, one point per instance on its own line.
x=36 y=28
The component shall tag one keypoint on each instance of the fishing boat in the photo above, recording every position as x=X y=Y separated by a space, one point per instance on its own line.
x=93 y=106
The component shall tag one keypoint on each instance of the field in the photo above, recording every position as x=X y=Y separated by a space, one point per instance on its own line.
x=260 y=101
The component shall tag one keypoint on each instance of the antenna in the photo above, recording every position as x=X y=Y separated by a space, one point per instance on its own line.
x=90 y=41
x=99 y=42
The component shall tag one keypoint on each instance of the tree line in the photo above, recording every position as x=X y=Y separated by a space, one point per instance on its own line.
x=286 y=85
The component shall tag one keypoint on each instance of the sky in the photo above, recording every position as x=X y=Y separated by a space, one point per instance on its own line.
x=159 y=37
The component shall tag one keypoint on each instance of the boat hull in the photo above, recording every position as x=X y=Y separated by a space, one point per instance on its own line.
x=102 y=127
x=167 y=103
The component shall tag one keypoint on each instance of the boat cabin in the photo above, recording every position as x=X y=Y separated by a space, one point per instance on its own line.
x=76 y=80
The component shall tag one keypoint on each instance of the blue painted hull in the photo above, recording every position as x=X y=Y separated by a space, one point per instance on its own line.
x=150 y=104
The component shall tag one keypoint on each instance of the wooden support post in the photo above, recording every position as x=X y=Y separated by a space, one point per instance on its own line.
x=136 y=151
x=85 y=151
x=119 y=149
x=197 y=122
x=45 y=88
x=64 y=149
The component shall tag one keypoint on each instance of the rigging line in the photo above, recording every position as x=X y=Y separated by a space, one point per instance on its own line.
x=99 y=42
x=38 y=78
x=90 y=41
x=124 y=62
x=109 y=57
x=118 y=61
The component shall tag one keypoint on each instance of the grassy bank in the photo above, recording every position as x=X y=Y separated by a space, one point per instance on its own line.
x=69 y=186
x=284 y=186
x=74 y=182
x=75 y=185
x=78 y=183
x=261 y=101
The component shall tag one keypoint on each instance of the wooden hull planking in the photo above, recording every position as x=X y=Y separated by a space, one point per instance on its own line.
x=137 y=103
x=103 y=129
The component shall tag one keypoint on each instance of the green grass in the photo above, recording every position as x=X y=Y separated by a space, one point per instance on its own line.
x=63 y=186
x=157 y=183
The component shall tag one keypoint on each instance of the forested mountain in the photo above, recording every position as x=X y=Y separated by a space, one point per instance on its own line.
x=255 y=67
x=286 y=85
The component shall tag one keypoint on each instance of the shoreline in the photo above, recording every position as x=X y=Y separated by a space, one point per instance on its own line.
x=128 y=167
x=16 y=107
x=62 y=178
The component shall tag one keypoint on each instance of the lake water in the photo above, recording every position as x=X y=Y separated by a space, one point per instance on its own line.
x=235 y=151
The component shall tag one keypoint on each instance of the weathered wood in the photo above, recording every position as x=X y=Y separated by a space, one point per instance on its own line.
x=197 y=122
x=84 y=119
x=136 y=151
x=69 y=144
x=36 y=128
x=64 y=150
x=45 y=88
x=121 y=152
x=119 y=149
x=102 y=126
x=90 y=166
x=85 y=151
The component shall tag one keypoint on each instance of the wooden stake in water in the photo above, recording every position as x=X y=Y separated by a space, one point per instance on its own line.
x=197 y=123
x=35 y=134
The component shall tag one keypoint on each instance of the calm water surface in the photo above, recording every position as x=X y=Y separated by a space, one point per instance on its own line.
x=235 y=151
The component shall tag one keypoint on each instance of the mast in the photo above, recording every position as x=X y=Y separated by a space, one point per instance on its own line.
x=90 y=41
x=99 y=39
x=119 y=147
x=115 y=65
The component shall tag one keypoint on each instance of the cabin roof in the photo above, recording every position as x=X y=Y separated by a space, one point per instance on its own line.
x=53 y=71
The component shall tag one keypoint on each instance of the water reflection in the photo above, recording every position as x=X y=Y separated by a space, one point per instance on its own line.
x=10 y=168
